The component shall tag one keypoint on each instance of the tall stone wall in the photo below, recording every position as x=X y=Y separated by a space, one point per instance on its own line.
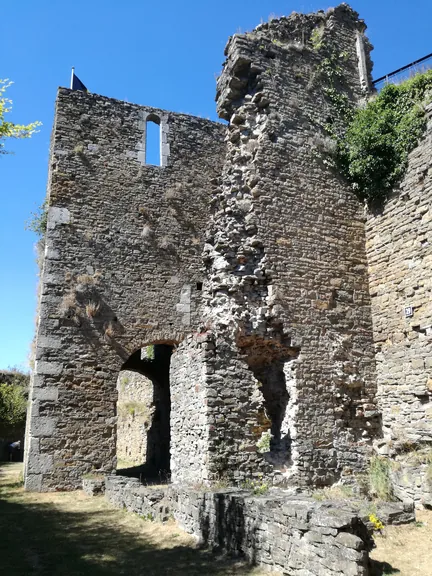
x=248 y=253
x=399 y=247
x=285 y=255
x=122 y=269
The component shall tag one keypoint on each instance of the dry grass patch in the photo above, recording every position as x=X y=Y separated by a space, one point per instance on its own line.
x=406 y=550
x=70 y=534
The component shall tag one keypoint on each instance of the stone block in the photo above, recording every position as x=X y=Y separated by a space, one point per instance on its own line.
x=48 y=368
x=43 y=426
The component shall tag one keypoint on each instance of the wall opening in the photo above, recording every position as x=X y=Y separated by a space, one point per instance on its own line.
x=273 y=367
x=153 y=140
x=143 y=410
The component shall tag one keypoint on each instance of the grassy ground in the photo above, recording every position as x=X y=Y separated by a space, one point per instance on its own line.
x=70 y=534
x=406 y=550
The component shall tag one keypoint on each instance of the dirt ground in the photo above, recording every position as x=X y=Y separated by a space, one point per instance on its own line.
x=406 y=550
x=71 y=534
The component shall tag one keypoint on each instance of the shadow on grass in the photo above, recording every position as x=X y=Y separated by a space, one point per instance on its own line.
x=382 y=568
x=40 y=539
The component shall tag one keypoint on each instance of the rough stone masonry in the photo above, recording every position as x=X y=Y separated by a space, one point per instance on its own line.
x=291 y=328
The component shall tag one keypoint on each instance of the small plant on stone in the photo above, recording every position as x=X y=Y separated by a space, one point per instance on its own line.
x=109 y=330
x=263 y=444
x=317 y=38
x=68 y=306
x=376 y=522
x=38 y=220
x=258 y=487
x=88 y=279
x=92 y=309
x=380 y=484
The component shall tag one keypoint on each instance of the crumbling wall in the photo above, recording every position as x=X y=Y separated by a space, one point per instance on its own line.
x=293 y=535
x=122 y=269
x=285 y=255
x=399 y=247
x=135 y=409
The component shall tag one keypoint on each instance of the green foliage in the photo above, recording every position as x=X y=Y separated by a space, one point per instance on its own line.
x=376 y=522
x=150 y=352
x=380 y=484
x=317 y=38
x=373 y=152
x=37 y=223
x=10 y=129
x=263 y=444
x=258 y=487
x=135 y=409
x=13 y=404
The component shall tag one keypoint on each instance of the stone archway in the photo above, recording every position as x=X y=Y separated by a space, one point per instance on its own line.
x=143 y=413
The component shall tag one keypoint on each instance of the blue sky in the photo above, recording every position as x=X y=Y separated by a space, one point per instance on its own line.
x=165 y=54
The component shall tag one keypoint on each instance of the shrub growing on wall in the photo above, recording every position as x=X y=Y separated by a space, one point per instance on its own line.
x=373 y=153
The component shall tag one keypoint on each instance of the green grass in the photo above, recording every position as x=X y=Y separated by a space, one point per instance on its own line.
x=70 y=534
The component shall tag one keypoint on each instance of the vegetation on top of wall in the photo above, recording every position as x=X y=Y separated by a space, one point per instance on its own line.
x=373 y=153
x=371 y=143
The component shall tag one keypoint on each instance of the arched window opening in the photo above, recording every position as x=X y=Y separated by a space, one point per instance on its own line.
x=143 y=411
x=153 y=140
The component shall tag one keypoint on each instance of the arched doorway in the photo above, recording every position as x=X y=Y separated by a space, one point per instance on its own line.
x=143 y=414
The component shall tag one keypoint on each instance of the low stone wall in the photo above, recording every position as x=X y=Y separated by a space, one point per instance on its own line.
x=412 y=480
x=93 y=486
x=148 y=501
x=293 y=534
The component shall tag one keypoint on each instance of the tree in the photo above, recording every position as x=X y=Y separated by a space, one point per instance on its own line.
x=13 y=397
x=10 y=129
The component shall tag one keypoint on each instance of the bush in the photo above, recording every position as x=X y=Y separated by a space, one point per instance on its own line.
x=373 y=152
x=13 y=404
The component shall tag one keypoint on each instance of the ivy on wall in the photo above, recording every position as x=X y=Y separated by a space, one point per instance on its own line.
x=373 y=153
x=371 y=144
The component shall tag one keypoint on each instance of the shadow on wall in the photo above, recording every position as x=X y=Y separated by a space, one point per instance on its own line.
x=153 y=362
x=223 y=526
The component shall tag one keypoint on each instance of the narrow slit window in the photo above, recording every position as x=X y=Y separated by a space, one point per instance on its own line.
x=153 y=140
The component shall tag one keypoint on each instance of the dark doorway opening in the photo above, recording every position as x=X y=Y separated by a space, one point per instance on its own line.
x=152 y=362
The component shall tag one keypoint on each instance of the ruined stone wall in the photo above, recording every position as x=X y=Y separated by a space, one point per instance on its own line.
x=190 y=422
x=122 y=269
x=399 y=248
x=285 y=256
x=293 y=535
x=135 y=410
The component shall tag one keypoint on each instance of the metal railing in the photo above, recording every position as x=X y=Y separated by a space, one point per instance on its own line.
x=404 y=73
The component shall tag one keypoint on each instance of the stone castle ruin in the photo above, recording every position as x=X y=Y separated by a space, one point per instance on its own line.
x=273 y=303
